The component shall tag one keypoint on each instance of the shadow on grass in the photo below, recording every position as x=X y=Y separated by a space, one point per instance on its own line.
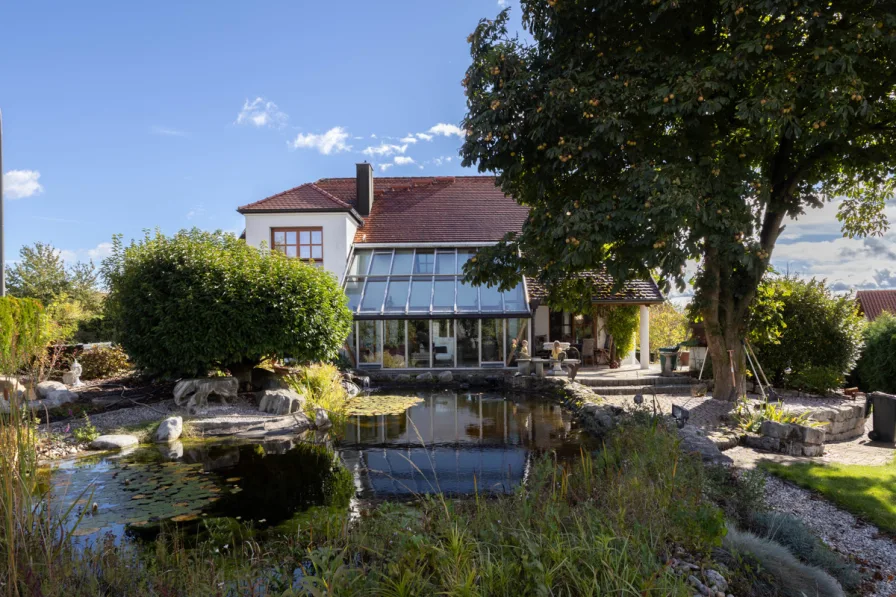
x=868 y=492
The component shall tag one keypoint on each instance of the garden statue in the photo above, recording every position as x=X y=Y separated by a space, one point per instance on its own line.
x=195 y=392
x=524 y=351
x=72 y=377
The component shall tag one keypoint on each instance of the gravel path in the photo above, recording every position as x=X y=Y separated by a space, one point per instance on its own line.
x=839 y=530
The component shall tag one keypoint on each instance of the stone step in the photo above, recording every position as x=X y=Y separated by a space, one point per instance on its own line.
x=647 y=380
x=672 y=390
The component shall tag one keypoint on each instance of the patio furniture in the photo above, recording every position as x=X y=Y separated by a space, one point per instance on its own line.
x=538 y=363
x=588 y=351
x=602 y=355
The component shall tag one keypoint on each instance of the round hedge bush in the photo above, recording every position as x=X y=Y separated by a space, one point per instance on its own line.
x=877 y=367
x=198 y=301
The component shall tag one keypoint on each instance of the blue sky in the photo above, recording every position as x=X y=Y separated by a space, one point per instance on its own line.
x=122 y=116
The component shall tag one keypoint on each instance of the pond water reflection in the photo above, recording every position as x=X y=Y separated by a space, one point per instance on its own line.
x=456 y=444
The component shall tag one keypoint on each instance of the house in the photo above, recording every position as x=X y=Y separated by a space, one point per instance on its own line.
x=398 y=246
x=874 y=302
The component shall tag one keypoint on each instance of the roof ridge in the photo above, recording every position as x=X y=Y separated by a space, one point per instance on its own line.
x=327 y=195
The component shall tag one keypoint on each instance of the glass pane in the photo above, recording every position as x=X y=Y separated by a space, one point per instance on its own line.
x=360 y=263
x=348 y=349
x=369 y=333
x=421 y=294
x=463 y=255
x=291 y=238
x=373 y=295
x=279 y=238
x=492 y=340
x=381 y=263
x=402 y=262
x=490 y=297
x=290 y=250
x=316 y=237
x=517 y=337
x=397 y=296
x=418 y=342
x=304 y=237
x=443 y=295
x=353 y=291
x=423 y=262
x=317 y=252
x=445 y=262
x=393 y=344
x=304 y=251
x=515 y=300
x=467 y=342
x=467 y=297
x=442 y=343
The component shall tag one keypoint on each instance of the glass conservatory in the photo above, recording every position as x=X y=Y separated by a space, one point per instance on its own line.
x=413 y=311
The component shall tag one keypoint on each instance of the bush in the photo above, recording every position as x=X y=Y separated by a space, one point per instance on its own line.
x=749 y=416
x=321 y=384
x=793 y=534
x=739 y=495
x=816 y=334
x=86 y=432
x=877 y=367
x=197 y=301
x=23 y=332
x=103 y=361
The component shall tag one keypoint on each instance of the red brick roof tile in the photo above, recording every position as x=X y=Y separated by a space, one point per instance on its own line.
x=875 y=302
x=301 y=198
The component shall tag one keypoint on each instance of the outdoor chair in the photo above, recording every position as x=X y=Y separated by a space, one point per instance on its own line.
x=588 y=351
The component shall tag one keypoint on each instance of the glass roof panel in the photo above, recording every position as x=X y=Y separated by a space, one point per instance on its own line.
x=424 y=262
x=381 y=264
x=467 y=297
x=515 y=299
x=403 y=262
x=397 y=295
x=353 y=291
x=373 y=295
x=491 y=298
x=443 y=295
x=421 y=294
x=359 y=263
x=446 y=262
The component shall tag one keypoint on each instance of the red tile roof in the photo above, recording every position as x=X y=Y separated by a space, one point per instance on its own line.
x=875 y=302
x=412 y=209
x=633 y=291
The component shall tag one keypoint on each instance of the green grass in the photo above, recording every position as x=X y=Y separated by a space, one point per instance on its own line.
x=869 y=492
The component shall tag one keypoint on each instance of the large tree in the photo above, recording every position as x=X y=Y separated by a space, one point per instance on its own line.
x=644 y=135
x=40 y=273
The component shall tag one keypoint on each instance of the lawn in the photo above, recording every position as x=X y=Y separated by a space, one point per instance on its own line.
x=867 y=491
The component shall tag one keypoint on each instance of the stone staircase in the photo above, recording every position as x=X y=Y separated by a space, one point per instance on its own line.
x=629 y=385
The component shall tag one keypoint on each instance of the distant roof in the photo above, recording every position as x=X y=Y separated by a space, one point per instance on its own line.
x=875 y=302
x=638 y=292
x=411 y=209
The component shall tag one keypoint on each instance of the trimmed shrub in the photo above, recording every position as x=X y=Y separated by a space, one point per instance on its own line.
x=23 y=332
x=818 y=335
x=793 y=534
x=197 y=301
x=877 y=367
x=103 y=361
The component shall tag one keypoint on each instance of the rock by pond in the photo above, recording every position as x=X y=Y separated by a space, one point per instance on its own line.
x=169 y=430
x=113 y=442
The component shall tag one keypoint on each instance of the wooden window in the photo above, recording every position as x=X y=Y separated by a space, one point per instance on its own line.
x=305 y=243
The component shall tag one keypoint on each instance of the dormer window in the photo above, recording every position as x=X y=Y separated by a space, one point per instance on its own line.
x=305 y=243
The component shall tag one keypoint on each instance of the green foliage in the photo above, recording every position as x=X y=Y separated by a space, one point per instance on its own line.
x=321 y=385
x=749 y=416
x=23 y=332
x=621 y=322
x=86 y=432
x=869 y=492
x=668 y=325
x=790 y=531
x=877 y=366
x=644 y=136
x=791 y=578
x=103 y=361
x=815 y=333
x=196 y=301
x=740 y=494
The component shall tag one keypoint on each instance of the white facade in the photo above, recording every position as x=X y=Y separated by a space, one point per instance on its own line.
x=338 y=233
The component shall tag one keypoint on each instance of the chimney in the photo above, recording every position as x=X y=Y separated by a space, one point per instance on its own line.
x=364 y=183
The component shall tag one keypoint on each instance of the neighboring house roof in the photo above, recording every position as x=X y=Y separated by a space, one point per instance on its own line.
x=874 y=302
x=633 y=291
x=306 y=197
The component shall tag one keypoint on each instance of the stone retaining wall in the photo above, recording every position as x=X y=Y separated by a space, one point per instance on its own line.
x=841 y=422
x=787 y=438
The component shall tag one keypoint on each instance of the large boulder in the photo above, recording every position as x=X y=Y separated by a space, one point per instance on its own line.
x=113 y=442
x=169 y=430
x=280 y=402
x=693 y=441
x=194 y=393
x=44 y=388
x=446 y=377
x=424 y=377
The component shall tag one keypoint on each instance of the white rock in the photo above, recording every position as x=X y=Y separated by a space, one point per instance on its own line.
x=44 y=388
x=113 y=442
x=716 y=581
x=62 y=396
x=322 y=419
x=169 y=430
x=280 y=402
x=172 y=450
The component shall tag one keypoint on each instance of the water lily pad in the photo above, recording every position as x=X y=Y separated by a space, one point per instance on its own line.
x=373 y=405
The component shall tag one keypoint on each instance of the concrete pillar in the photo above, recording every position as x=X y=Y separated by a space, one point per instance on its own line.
x=645 y=337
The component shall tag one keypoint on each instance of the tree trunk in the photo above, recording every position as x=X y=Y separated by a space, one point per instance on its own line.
x=724 y=388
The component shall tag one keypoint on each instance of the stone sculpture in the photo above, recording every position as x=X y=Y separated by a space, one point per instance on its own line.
x=72 y=377
x=194 y=393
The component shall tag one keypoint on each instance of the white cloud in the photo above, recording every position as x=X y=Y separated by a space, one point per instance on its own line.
x=384 y=167
x=409 y=139
x=96 y=254
x=101 y=251
x=19 y=184
x=385 y=149
x=195 y=212
x=442 y=160
x=167 y=132
x=332 y=141
x=260 y=113
x=502 y=3
x=424 y=136
x=401 y=160
x=446 y=130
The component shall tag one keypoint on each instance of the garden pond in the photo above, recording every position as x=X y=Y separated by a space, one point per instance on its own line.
x=454 y=443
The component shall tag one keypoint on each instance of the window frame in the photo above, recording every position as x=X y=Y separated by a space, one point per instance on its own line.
x=298 y=230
